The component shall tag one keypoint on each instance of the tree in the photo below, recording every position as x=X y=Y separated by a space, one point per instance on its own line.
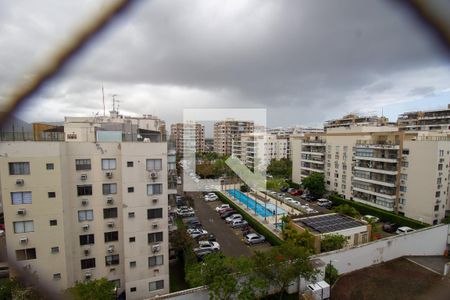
x=331 y=274
x=276 y=184
x=14 y=288
x=315 y=183
x=346 y=209
x=331 y=242
x=280 y=168
x=303 y=239
x=99 y=289
x=281 y=265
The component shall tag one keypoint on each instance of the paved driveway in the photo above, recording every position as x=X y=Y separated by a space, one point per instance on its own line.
x=230 y=240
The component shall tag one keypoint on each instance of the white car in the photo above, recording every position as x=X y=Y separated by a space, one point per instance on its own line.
x=310 y=211
x=237 y=223
x=233 y=217
x=208 y=245
x=289 y=199
x=185 y=209
x=211 y=197
x=404 y=229
x=295 y=202
x=371 y=218
x=197 y=232
x=223 y=206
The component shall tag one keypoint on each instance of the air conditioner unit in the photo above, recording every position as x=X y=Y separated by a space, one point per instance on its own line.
x=155 y=225
x=20 y=181
x=85 y=227
x=109 y=200
x=23 y=240
x=83 y=176
x=87 y=252
x=112 y=269
x=156 y=270
x=84 y=202
x=110 y=224
x=156 y=248
x=21 y=212
x=111 y=249
x=88 y=275
x=155 y=200
x=109 y=174
x=153 y=175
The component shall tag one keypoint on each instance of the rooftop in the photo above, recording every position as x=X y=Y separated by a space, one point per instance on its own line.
x=328 y=223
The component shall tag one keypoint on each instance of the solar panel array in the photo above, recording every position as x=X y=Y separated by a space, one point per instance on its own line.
x=330 y=223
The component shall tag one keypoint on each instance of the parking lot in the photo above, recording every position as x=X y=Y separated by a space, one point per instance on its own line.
x=231 y=240
x=311 y=204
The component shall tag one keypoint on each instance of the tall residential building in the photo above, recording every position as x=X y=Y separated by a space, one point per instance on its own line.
x=407 y=173
x=438 y=119
x=88 y=209
x=353 y=119
x=261 y=148
x=228 y=131
x=186 y=134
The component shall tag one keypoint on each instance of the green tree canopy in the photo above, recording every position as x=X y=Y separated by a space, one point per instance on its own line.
x=315 y=183
x=280 y=168
x=346 y=209
x=331 y=242
x=331 y=274
x=99 y=289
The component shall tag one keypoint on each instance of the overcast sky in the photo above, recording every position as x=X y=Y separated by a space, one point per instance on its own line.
x=304 y=61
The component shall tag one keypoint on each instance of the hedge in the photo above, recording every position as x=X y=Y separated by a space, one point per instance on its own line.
x=385 y=216
x=260 y=228
x=293 y=184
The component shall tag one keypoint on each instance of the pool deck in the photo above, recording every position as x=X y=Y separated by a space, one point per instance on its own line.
x=266 y=221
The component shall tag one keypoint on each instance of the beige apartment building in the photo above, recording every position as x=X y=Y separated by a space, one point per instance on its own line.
x=228 y=131
x=407 y=173
x=188 y=135
x=438 y=119
x=80 y=210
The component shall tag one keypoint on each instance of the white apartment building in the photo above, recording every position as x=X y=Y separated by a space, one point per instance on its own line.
x=396 y=171
x=83 y=210
x=227 y=132
x=191 y=135
x=438 y=119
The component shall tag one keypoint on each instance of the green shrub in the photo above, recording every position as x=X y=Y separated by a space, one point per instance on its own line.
x=255 y=224
x=385 y=216
x=293 y=184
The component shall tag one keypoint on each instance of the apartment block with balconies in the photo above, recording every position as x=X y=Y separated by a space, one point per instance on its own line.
x=227 y=132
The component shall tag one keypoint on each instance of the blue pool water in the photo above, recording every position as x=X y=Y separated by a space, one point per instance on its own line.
x=260 y=210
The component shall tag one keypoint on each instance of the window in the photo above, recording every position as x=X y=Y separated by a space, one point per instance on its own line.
x=438 y=194
x=109 y=213
x=405 y=151
x=155 y=260
x=85 y=215
x=439 y=180
x=154 y=189
x=87 y=239
x=405 y=164
x=156 y=285
x=21 y=198
x=133 y=289
x=82 y=164
x=51 y=194
x=132 y=239
x=111 y=260
x=111 y=236
x=132 y=264
x=131 y=214
x=50 y=166
x=403 y=188
x=57 y=276
x=154 y=213
x=130 y=189
x=26 y=254
x=54 y=249
x=109 y=164
x=109 y=188
x=439 y=167
x=84 y=190
x=436 y=207
x=129 y=164
x=19 y=168
x=53 y=222
x=403 y=176
x=88 y=263
x=155 y=237
x=154 y=164
x=441 y=153
x=23 y=226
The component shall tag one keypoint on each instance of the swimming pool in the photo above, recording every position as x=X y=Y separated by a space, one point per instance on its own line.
x=252 y=204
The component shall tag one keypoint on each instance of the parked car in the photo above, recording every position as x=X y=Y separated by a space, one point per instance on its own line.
x=370 y=218
x=289 y=199
x=201 y=253
x=233 y=217
x=227 y=214
x=239 y=223
x=309 y=210
x=223 y=206
x=284 y=189
x=390 y=227
x=207 y=245
x=194 y=224
x=197 y=232
x=404 y=229
x=322 y=202
x=209 y=237
x=295 y=192
x=310 y=198
x=254 y=238
x=211 y=197
x=186 y=213
x=2 y=232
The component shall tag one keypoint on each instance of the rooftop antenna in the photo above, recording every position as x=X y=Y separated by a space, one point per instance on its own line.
x=103 y=97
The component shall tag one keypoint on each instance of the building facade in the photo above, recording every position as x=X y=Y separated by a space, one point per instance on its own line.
x=393 y=170
x=84 y=210
x=425 y=120
x=186 y=135
x=226 y=132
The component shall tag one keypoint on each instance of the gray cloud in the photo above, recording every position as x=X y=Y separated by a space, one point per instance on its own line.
x=306 y=61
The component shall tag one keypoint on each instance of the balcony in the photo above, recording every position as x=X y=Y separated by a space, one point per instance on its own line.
x=376 y=180
x=382 y=146
x=389 y=207
x=375 y=192
x=312 y=169
x=389 y=159
x=391 y=171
